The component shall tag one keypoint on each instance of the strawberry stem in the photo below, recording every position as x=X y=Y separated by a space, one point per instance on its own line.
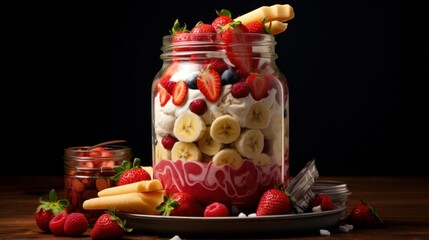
x=121 y=223
x=53 y=203
x=167 y=206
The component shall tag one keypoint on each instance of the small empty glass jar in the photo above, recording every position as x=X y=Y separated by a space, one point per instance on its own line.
x=87 y=170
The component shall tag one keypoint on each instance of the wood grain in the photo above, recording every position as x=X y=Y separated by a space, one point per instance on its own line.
x=402 y=203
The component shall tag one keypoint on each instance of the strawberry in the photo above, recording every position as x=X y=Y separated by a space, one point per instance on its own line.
x=275 y=201
x=223 y=18
x=109 y=226
x=181 y=204
x=237 y=46
x=209 y=84
x=323 y=200
x=164 y=95
x=76 y=224
x=56 y=225
x=180 y=92
x=216 y=209
x=180 y=34
x=257 y=27
x=258 y=84
x=48 y=209
x=169 y=86
x=206 y=30
x=126 y=174
x=364 y=215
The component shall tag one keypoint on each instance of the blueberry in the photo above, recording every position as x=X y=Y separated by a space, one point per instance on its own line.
x=228 y=77
x=191 y=81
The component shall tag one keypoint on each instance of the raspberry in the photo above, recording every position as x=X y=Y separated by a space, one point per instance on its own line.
x=240 y=90
x=56 y=225
x=76 y=224
x=198 y=106
x=168 y=142
x=216 y=209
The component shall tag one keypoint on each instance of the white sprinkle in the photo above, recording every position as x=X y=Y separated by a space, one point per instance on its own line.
x=176 y=237
x=343 y=228
x=242 y=215
x=324 y=232
x=252 y=215
x=317 y=209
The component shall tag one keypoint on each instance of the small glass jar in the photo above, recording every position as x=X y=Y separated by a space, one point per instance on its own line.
x=88 y=170
x=220 y=118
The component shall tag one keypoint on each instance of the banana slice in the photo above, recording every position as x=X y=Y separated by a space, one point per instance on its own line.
x=225 y=129
x=250 y=143
x=274 y=127
x=276 y=149
x=262 y=160
x=258 y=116
x=189 y=127
x=208 y=145
x=228 y=156
x=161 y=153
x=186 y=151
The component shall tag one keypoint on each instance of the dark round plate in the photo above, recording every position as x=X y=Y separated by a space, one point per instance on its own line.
x=227 y=226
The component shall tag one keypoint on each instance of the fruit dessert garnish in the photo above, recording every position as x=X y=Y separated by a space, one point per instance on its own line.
x=364 y=215
x=128 y=173
x=48 y=209
x=109 y=226
x=220 y=109
x=275 y=201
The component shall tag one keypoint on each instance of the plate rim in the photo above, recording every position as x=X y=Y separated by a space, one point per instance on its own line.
x=137 y=216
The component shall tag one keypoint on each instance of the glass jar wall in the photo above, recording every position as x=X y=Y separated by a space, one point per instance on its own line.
x=87 y=170
x=220 y=119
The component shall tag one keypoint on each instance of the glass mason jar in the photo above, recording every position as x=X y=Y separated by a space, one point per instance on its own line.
x=220 y=118
x=87 y=171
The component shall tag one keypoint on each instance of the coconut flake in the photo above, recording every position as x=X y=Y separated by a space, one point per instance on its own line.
x=324 y=232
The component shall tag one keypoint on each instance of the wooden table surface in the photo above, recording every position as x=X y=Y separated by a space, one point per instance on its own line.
x=401 y=202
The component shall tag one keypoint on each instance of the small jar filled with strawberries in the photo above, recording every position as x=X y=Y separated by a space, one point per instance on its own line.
x=220 y=112
x=88 y=170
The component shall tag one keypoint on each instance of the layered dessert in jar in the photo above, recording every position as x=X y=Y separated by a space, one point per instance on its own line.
x=220 y=113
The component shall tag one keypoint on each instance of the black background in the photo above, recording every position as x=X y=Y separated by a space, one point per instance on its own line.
x=80 y=73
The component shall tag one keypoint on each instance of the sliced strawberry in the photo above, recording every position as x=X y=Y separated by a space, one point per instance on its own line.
x=164 y=96
x=169 y=86
x=258 y=85
x=209 y=84
x=180 y=92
